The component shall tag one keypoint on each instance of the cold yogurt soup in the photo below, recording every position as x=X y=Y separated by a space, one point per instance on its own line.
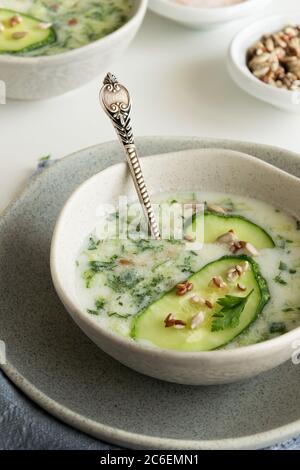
x=46 y=27
x=241 y=286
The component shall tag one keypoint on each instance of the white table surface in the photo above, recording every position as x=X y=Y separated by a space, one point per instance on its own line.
x=180 y=86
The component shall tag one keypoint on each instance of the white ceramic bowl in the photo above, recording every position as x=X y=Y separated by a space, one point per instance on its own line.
x=32 y=78
x=204 y=18
x=211 y=170
x=283 y=99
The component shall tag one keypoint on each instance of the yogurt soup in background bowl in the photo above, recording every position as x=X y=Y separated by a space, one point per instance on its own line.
x=211 y=313
x=50 y=47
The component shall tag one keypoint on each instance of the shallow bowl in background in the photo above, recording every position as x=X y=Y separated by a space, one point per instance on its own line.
x=205 y=18
x=33 y=78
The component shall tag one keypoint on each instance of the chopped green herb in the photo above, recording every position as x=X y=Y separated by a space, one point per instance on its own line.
x=156 y=280
x=288 y=309
x=175 y=241
x=44 y=161
x=292 y=271
x=174 y=201
x=283 y=266
x=298 y=224
x=88 y=276
x=92 y=312
x=95 y=15
x=126 y=280
x=100 y=303
x=147 y=293
x=93 y=244
x=186 y=267
x=277 y=327
x=115 y=314
x=143 y=245
x=281 y=242
x=159 y=264
x=264 y=337
x=229 y=315
x=100 y=266
x=45 y=158
x=280 y=280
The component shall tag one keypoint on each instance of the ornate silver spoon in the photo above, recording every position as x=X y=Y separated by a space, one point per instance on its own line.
x=115 y=100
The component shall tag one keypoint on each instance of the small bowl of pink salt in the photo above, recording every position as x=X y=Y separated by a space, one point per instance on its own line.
x=206 y=14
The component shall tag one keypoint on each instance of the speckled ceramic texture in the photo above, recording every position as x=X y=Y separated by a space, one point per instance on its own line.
x=54 y=363
x=34 y=78
x=206 y=169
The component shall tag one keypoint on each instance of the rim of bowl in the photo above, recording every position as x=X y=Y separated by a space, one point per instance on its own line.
x=68 y=300
x=215 y=11
x=235 y=48
x=138 y=11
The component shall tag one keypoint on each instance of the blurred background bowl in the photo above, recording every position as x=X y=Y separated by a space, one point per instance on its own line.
x=205 y=18
x=33 y=78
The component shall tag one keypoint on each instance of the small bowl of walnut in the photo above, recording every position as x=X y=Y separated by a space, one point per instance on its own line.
x=264 y=60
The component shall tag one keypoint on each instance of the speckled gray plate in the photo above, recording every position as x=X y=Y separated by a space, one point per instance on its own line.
x=52 y=361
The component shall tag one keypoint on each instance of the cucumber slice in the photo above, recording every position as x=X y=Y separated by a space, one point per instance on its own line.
x=34 y=36
x=149 y=325
x=216 y=225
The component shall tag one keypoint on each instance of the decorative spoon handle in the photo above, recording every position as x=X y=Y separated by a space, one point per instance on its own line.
x=115 y=100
